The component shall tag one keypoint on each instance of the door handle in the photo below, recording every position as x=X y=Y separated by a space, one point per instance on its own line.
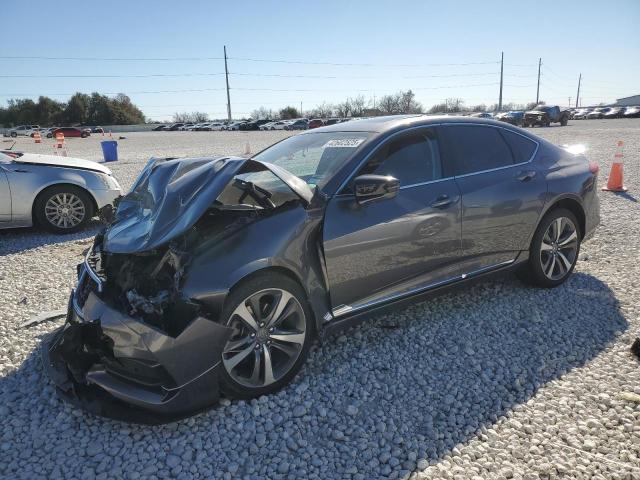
x=441 y=202
x=525 y=175
x=19 y=170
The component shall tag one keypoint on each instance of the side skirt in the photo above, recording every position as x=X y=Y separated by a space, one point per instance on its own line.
x=351 y=319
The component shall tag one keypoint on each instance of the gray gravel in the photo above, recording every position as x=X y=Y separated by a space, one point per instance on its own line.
x=496 y=381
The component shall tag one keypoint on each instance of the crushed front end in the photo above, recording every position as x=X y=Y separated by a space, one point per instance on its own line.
x=143 y=339
x=123 y=362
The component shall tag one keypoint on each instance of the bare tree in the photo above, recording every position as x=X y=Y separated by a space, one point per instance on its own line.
x=408 y=103
x=358 y=104
x=262 y=113
x=390 y=104
x=481 y=107
x=193 y=117
x=199 y=117
x=344 y=109
x=322 y=111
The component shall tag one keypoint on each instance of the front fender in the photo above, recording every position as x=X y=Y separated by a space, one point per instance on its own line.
x=285 y=240
x=25 y=187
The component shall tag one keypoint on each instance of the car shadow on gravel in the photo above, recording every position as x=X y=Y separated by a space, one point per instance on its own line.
x=388 y=398
x=16 y=240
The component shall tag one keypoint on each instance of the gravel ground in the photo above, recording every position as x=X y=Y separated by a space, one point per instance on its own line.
x=495 y=381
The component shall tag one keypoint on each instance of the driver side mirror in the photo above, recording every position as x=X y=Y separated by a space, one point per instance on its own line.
x=375 y=187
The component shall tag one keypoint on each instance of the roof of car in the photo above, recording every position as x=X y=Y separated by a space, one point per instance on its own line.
x=392 y=122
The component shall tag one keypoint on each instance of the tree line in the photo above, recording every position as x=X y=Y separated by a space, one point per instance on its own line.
x=396 y=103
x=80 y=109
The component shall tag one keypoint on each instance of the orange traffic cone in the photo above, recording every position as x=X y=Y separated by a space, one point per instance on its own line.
x=37 y=137
x=60 y=139
x=616 y=181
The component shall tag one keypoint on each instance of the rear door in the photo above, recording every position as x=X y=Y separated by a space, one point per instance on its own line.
x=5 y=192
x=391 y=247
x=502 y=191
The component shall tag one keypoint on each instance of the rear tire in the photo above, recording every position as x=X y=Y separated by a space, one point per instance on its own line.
x=272 y=333
x=554 y=250
x=63 y=209
x=564 y=121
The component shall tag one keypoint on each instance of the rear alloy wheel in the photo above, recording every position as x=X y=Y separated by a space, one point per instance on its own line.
x=63 y=209
x=554 y=249
x=271 y=335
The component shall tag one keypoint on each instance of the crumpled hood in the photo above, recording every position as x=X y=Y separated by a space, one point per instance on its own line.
x=170 y=195
x=56 y=161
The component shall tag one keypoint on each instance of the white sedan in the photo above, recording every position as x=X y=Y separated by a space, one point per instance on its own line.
x=60 y=194
x=279 y=125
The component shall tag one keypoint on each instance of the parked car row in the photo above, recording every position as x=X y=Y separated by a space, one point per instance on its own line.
x=264 y=124
x=605 y=113
x=30 y=131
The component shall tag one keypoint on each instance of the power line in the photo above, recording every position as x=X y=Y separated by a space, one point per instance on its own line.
x=248 y=74
x=117 y=76
x=242 y=59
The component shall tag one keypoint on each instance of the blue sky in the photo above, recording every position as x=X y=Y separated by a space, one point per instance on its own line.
x=390 y=45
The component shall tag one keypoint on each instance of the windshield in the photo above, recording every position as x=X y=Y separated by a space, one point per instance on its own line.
x=314 y=157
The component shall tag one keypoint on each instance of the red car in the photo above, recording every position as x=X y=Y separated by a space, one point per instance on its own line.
x=70 y=132
x=315 y=123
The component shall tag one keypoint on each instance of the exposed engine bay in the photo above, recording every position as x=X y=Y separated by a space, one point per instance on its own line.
x=147 y=284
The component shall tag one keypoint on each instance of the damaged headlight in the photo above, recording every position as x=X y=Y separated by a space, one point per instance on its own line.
x=109 y=182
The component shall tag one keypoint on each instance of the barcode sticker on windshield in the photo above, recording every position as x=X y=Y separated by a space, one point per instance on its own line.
x=344 y=143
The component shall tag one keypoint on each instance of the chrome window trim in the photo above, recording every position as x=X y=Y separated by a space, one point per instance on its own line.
x=425 y=183
x=434 y=125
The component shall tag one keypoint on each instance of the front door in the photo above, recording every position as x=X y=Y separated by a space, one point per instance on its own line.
x=391 y=247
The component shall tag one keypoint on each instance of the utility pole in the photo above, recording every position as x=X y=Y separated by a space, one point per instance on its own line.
x=578 y=94
x=569 y=102
x=501 y=74
x=226 y=75
x=301 y=109
x=538 y=90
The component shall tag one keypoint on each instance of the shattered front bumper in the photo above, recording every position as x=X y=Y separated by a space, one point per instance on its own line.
x=117 y=366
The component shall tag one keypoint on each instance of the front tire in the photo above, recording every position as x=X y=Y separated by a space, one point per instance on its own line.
x=272 y=332
x=554 y=250
x=63 y=209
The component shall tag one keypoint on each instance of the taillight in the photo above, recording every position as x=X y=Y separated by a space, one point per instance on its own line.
x=594 y=167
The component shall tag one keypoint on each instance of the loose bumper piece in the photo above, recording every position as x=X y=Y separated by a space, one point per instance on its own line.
x=116 y=366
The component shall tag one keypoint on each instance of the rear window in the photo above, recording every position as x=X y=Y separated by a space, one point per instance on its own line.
x=475 y=148
x=522 y=148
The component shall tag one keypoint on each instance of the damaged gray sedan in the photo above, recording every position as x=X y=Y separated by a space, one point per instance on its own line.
x=216 y=274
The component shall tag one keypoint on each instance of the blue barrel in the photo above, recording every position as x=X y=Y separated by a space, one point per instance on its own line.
x=110 y=150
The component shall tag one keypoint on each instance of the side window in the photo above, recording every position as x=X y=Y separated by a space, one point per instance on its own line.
x=412 y=158
x=521 y=147
x=476 y=148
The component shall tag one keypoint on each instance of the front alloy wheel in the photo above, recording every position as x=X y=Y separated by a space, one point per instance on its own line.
x=270 y=336
x=63 y=208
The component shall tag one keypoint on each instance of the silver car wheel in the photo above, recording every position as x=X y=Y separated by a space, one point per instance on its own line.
x=559 y=248
x=269 y=331
x=64 y=210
